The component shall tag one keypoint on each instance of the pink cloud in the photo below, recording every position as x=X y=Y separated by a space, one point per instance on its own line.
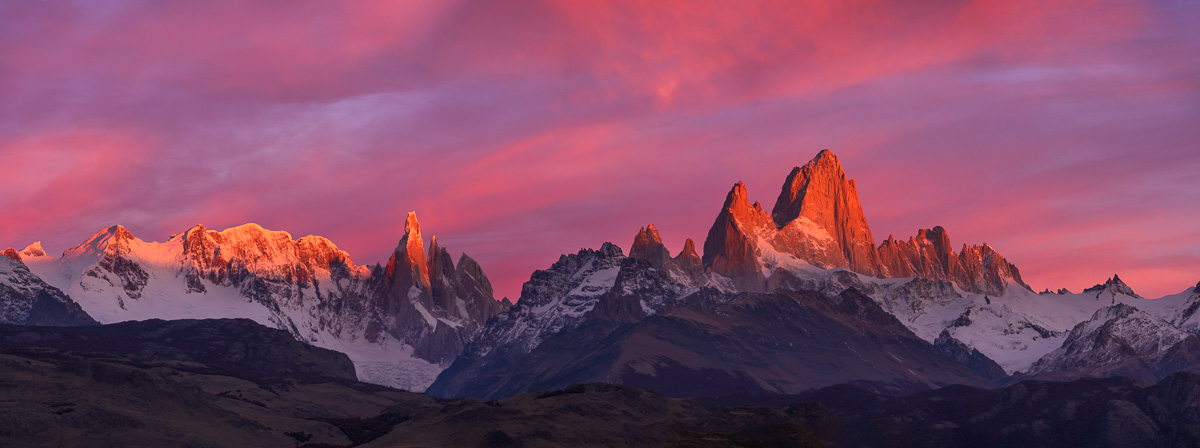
x=520 y=131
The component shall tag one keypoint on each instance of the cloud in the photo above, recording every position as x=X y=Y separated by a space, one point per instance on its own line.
x=522 y=130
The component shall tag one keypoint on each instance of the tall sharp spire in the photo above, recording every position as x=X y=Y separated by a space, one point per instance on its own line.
x=410 y=253
x=820 y=192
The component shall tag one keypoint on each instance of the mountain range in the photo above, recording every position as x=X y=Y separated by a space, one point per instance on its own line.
x=778 y=303
x=401 y=322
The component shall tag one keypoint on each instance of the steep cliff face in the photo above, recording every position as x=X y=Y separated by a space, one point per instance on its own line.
x=732 y=247
x=1121 y=340
x=686 y=267
x=820 y=192
x=596 y=316
x=437 y=307
x=930 y=255
x=401 y=323
x=818 y=221
x=27 y=300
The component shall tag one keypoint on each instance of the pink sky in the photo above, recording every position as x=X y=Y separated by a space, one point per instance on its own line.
x=1067 y=136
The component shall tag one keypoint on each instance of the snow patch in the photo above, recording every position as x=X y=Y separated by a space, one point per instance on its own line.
x=597 y=283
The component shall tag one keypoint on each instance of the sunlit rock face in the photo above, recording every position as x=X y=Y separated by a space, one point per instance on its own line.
x=436 y=307
x=819 y=192
x=930 y=255
x=686 y=266
x=817 y=221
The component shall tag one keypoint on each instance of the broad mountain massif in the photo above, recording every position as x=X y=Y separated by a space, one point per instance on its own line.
x=799 y=303
x=401 y=322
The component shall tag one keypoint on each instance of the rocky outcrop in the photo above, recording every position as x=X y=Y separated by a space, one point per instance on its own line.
x=27 y=300
x=407 y=270
x=732 y=247
x=820 y=193
x=818 y=220
x=687 y=266
x=648 y=246
x=31 y=251
x=437 y=306
x=1121 y=340
x=970 y=357
x=1111 y=288
x=690 y=260
x=441 y=305
x=930 y=255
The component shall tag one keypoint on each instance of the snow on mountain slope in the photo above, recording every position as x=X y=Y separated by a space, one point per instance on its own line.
x=27 y=300
x=552 y=299
x=1117 y=340
x=118 y=277
x=1181 y=309
x=308 y=287
x=1014 y=329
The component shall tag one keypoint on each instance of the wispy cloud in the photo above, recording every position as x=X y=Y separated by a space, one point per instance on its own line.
x=1064 y=133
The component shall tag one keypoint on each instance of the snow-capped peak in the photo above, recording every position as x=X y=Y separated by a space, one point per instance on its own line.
x=1118 y=340
x=33 y=250
x=1110 y=288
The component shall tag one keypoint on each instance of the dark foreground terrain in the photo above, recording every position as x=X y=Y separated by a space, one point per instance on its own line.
x=234 y=383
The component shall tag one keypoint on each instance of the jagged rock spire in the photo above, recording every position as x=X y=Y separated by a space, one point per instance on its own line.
x=818 y=219
x=435 y=304
x=441 y=276
x=930 y=255
x=408 y=262
x=11 y=253
x=820 y=192
x=648 y=246
x=1114 y=286
x=731 y=248
x=688 y=254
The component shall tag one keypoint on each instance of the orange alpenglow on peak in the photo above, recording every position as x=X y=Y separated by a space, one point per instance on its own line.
x=11 y=253
x=34 y=250
x=689 y=250
x=648 y=246
x=411 y=224
x=820 y=192
x=407 y=265
x=818 y=218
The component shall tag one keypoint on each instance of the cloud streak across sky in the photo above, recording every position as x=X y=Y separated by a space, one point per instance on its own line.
x=1065 y=135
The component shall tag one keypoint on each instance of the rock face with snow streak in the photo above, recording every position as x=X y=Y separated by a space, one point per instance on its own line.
x=686 y=266
x=817 y=220
x=820 y=192
x=437 y=308
x=399 y=326
x=599 y=316
x=930 y=255
x=1121 y=340
x=970 y=357
x=732 y=246
x=559 y=299
x=26 y=300
x=1110 y=289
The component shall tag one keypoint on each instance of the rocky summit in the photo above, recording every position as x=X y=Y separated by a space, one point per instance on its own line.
x=817 y=220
